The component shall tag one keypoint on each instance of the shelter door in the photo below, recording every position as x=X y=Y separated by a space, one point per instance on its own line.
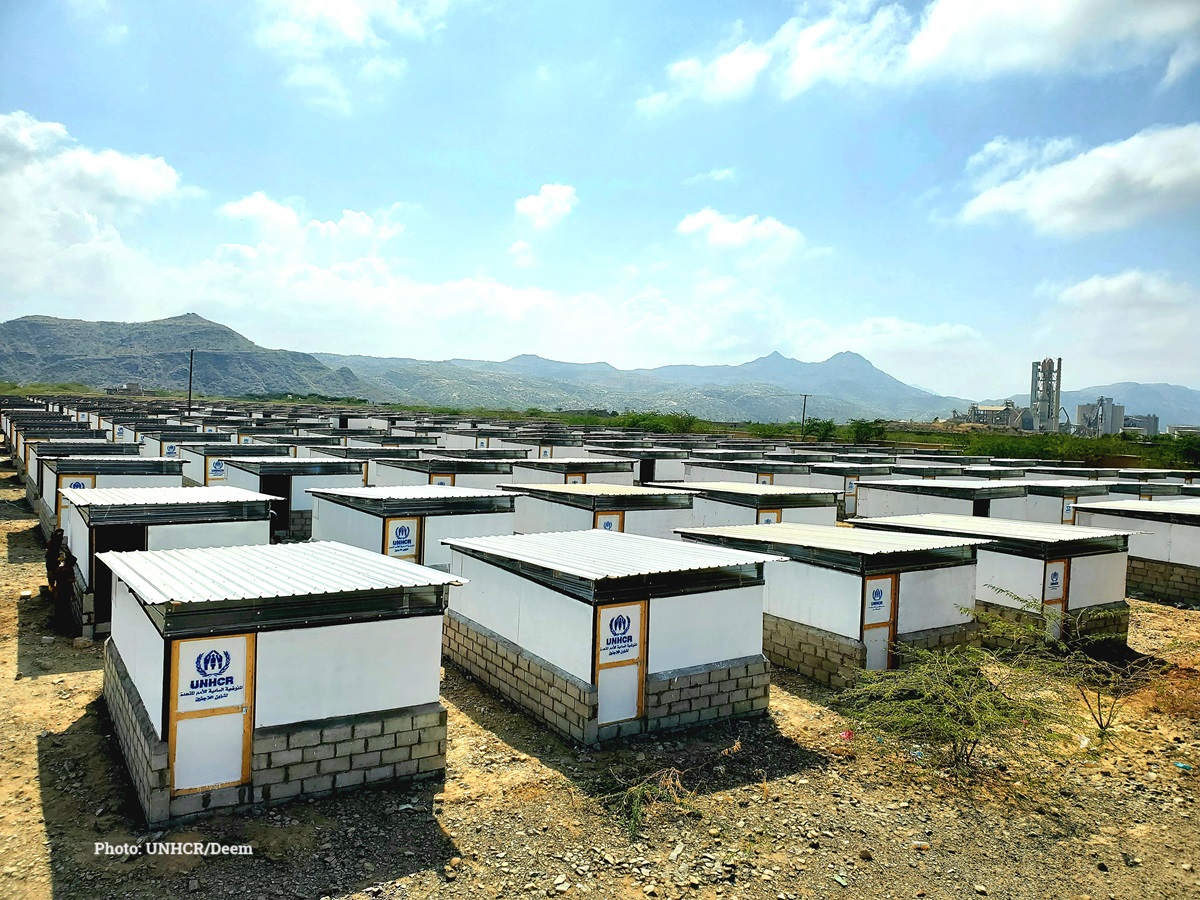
x=621 y=660
x=576 y=478
x=879 y=619
x=609 y=521
x=75 y=482
x=212 y=715
x=1068 y=510
x=402 y=538
x=1055 y=593
x=851 y=485
x=764 y=478
x=444 y=479
x=770 y=516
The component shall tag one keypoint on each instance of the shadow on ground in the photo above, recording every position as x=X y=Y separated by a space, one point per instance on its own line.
x=302 y=849
x=708 y=759
x=43 y=648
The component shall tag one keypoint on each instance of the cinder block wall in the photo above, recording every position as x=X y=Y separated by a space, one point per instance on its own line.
x=565 y=703
x=313 y=759
x=300 y=524
x=145 y=755
x=821 y=655
x=727 y=690
x=1107 y=619
x=1156 y=580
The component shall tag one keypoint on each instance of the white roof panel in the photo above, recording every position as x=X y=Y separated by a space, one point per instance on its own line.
x=597 y=555
x=832 y=537
x=1039 y=532
x=264 y=571
x=159 y=496
x=409 y=492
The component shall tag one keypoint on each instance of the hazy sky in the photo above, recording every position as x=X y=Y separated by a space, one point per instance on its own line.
x=951 y=188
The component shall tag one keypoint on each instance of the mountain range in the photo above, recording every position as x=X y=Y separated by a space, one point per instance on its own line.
x=768 y=389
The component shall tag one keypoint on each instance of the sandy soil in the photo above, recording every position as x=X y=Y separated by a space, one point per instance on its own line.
x=781 y=807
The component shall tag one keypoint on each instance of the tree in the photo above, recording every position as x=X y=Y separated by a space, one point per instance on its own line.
x=821 y=429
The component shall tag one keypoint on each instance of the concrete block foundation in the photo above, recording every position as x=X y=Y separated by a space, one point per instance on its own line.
x=823 y=656
x=1155 y=580
x=570 y=706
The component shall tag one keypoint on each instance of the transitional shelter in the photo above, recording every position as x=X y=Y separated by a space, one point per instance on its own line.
x=289 y=479
x=410 y=522
x=144 y=518
x=955 y=496
x=1071 y=577
x=242 y=675
x=847 y=597
x=635 y=509
x=749 y=503
x=601 y=634
x=1164 y=551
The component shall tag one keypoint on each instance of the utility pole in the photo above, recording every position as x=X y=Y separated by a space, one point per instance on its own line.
x=191 y=361
x=803 y=414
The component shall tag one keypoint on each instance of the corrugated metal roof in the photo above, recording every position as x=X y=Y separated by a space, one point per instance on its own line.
x=408 y=492
x=598 y=555
x=1040 y=532
x=597 y=490
x=748 y=488
x=263 y=571
x=830 y=537
x=1183 y=506
x=583 y=463
x=115 y=458
x=160 y=496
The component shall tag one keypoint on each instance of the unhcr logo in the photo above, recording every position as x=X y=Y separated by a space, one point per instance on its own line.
x=211 y=667
x=402 y=532
x=1054 y=579
x=77 y=485
x=218 y=465
x=877 y=598
x=621 y=641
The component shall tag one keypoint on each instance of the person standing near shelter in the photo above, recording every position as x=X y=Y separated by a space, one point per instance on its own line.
x=54 y=548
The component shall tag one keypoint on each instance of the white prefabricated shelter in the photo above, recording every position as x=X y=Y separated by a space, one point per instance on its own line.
x=289 y=479
x=845 y=478
x=994 y=473
x=207 y=460
x=1084 y=473
x=602 y=634
x=759 y=471
x=1142 y=490
x=1181 y=476
x=252 y=675
x=846 y=597
x=635 y=509
x=446 y=471
x=542 y=446
x=410 y=522
x=1164 y=551
x=953 y=496
x=742 y=503
x=82 y=472
x=146 y=518
x=649 y=463
x=573 y=470
x=1076 y=573
x=166 y=443
x=1054 y=499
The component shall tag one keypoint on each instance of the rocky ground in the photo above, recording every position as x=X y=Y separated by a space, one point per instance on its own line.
x=781 y=807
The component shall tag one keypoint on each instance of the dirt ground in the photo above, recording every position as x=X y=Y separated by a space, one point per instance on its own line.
x=779 y=807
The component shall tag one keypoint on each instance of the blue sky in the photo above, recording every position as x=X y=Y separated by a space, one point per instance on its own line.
x=952 y=188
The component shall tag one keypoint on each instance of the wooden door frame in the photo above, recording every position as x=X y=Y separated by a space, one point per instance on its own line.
x=596 y=514
x=175 y=717
x=640 y=662
x=419 y=543
x=890 y=624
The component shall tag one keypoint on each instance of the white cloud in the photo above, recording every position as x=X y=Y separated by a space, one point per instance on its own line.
x=99 y=17
x=773 y=240
x=522 y=254
x=326 y=44
x=866 y=42
x=1108 y=187
x=713 y=175
x=1132 y=326
x=549 y=206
